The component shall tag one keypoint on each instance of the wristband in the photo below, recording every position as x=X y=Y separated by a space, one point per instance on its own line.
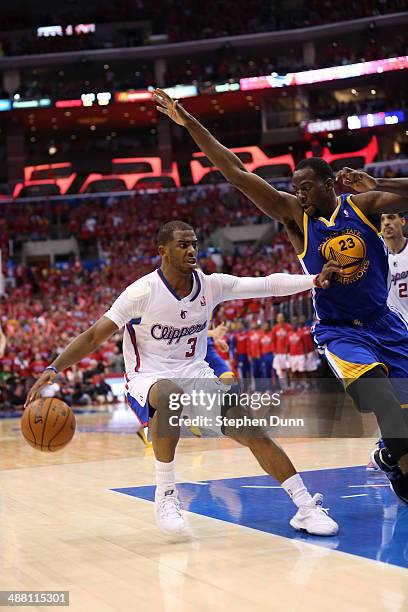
x=53 y=368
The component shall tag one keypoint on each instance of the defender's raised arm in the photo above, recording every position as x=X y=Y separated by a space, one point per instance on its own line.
x=276 y=204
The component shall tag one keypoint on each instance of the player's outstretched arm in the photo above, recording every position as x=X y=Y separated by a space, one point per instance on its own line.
x=375 y=195
x=276 y=204
x=228 y=287
x=80 y=347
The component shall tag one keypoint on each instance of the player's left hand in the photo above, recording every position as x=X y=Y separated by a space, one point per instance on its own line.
x=222 y=345
x=171 y=108
x=219 y=331
x=329 y=268
x=46 y=378
x=356 y=179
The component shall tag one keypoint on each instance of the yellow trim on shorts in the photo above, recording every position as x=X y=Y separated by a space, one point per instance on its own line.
x=227 y=375
x=305 y=236
x=351 y=371
x=362 y=216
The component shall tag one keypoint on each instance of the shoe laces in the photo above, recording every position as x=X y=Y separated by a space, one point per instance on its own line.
x=169 y=504
x=318 y=500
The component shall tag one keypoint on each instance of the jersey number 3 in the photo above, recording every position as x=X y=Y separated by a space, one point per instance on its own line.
x=192 y=342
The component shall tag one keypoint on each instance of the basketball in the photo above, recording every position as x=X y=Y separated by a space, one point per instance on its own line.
x=48 y=424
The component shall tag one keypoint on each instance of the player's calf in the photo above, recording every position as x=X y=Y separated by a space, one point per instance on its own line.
x=165 y=431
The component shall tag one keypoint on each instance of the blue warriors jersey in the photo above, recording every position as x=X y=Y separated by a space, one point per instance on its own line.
x=348 y=237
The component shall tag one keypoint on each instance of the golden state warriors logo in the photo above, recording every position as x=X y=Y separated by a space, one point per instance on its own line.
x=349 y=250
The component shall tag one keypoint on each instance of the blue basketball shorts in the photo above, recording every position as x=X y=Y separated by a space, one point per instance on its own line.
x=352 y=350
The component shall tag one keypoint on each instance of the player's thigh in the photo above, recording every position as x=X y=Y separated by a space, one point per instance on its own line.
x=352 y=355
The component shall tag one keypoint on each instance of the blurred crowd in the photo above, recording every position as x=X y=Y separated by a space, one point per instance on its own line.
x=119 y=222
x=178 y=20
x=45 y=306
x=226 y=64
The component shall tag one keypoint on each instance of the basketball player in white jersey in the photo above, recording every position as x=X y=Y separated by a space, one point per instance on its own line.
x=392 y=229
x=166 y=315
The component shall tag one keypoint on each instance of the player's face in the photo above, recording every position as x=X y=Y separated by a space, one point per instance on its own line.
x=182 y=251
x=392 y=226
x=280 y=319
x=311 y=191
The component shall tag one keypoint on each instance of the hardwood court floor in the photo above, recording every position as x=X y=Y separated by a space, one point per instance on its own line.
x=62 y=527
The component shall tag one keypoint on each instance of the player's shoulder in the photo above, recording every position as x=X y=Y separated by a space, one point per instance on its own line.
x=209 y=279
x=402 y=255
x=141 y=288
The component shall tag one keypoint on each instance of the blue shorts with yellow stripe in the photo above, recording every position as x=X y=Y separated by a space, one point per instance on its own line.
x=220 y=367
x=355 y=348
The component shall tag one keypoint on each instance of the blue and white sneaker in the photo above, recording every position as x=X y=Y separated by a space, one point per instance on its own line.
x=168 y=512
x=372 y=467
x=382 y=458
x=313 y=518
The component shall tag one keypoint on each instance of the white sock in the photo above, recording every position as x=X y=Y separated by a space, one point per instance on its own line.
x=295 y=488
x=165 y=474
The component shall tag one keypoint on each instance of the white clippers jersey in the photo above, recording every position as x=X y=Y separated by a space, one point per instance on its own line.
x=398 y=281
x=165 y=334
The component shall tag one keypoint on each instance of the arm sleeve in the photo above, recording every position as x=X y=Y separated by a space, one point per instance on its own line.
x=227 y=287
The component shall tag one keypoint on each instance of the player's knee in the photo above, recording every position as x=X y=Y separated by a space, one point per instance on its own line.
x=253 y=437
x=240 y=425
x=373 y=392
x=164 y=396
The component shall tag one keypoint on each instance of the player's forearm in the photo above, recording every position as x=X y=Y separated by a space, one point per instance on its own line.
x=80 y=347
x=274 y=285
x=3 y=343
x=227 y=162
x=398 y=186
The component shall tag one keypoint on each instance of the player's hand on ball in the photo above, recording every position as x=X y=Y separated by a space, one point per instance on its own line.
x=329 y=268
x=171 y=108
x=46 y=378
x=356 y=179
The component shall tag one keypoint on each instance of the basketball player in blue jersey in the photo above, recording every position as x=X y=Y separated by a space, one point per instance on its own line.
x=364 y=341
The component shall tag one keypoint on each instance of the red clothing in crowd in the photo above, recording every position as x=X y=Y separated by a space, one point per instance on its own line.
x=230 y=312
x=254 y=343
x=241 y=342
x=280 y=338
x=267 y=343
x=308 y=338
x=36 y=367
x=296 y=342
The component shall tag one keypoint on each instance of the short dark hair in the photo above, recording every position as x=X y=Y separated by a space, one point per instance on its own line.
x=320 y=167
x=165 y=233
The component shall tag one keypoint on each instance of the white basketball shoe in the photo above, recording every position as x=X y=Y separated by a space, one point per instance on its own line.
x=168 y=512
x=314 y=519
